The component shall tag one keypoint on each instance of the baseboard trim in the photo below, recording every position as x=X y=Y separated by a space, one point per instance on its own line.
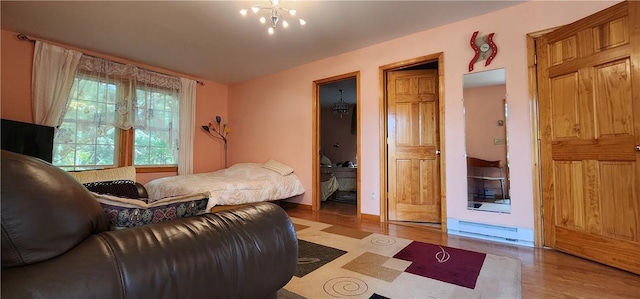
x=491 y=232
x=370 y=217
x=294 y=205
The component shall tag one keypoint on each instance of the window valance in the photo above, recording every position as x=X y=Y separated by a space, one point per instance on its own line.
x=90 y=98
x=111 y=68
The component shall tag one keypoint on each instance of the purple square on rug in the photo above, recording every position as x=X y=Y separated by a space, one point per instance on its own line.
x=452 y=265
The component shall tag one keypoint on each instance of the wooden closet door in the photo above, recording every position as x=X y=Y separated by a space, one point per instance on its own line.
x=413 y=144
x=589 y=101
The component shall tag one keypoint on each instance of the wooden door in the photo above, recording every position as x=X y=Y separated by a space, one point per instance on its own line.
x=413 y=144
x=589 y=101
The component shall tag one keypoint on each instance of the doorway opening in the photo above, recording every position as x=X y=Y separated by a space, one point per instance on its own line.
x=336 y=145
x=412 y=143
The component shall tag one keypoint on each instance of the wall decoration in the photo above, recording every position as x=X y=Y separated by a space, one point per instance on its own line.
x=484 y=48
x=219 y=132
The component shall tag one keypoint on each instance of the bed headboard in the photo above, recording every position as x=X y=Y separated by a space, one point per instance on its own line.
x=475 y=162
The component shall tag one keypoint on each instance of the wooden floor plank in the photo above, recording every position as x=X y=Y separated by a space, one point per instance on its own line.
x=546 y=273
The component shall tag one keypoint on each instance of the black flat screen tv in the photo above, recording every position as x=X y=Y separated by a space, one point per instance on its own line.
x=27 y=139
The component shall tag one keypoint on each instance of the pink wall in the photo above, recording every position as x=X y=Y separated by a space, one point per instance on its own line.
x=483 y=108
x=273 y=114
x=15 y=90
x=334 y=129
x=208 y=153
x=15 y=78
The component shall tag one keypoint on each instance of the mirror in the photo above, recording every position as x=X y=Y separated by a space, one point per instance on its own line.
x=485 y=111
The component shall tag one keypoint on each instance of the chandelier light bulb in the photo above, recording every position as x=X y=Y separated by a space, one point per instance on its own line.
x=340 y=108
x=275 y=13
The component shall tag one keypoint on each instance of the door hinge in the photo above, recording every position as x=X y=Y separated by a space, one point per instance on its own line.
x=535 y=59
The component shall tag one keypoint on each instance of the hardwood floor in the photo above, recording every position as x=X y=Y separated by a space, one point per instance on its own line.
x=546 y=273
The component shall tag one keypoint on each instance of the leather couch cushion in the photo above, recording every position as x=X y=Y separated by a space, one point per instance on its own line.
x=36 y=190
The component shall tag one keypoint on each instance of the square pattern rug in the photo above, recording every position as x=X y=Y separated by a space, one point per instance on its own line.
x=339 y=262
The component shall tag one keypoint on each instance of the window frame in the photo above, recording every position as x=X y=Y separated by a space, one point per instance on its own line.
x=124 y=140
x=126 y=155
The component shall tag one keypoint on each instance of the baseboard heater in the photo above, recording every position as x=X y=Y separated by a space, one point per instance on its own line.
x=491 y=232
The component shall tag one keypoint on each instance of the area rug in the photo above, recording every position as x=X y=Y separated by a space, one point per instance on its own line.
x=339 y=262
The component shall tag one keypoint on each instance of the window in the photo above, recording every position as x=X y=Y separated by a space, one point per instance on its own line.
x=84 y=141
x=92 y=134
x=153 y=144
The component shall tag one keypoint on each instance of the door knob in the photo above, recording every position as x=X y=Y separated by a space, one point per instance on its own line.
x=438 y=152
x=637 y=148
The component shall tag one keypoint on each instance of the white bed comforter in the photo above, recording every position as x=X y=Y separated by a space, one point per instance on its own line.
x=239 y=184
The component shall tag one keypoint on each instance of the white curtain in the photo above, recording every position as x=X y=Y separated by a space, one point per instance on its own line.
x=128 y=90
x=157 y=112
x=108 y=94
x=54 y=69
x=187 y=126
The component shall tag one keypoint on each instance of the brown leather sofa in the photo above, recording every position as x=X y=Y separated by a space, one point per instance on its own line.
x=56 y=243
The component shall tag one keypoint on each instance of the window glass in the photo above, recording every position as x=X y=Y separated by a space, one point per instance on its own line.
x=89 y=136
x=156 y=143
x=84 y=140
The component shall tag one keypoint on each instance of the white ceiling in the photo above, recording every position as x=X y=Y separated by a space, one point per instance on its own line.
x=486 y=78
x=211 y=40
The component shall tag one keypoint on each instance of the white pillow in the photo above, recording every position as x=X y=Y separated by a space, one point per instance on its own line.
x=104 y=175
x=324 y=160
x=278 y=167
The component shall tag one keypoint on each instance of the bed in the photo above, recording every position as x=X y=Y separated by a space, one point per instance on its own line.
x=337 y=179
x=241 y=183
x=486 y=180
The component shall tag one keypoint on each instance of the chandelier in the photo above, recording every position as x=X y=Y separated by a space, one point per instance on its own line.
x=273 y=13
x=340 y=108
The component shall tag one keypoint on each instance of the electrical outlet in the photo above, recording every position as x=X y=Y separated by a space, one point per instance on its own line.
x=373 y=196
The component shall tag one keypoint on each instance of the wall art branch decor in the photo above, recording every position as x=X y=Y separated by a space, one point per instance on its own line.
x=220 y=132
x=484 y=48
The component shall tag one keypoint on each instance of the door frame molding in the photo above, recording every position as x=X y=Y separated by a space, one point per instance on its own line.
x=538 y=219
x=382 y=73
x=315 y=147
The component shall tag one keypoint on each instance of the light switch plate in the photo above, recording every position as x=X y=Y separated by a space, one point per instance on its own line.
x=498 y=141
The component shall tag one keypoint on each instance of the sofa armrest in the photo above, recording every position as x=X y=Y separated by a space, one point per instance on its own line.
x=250 y=252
